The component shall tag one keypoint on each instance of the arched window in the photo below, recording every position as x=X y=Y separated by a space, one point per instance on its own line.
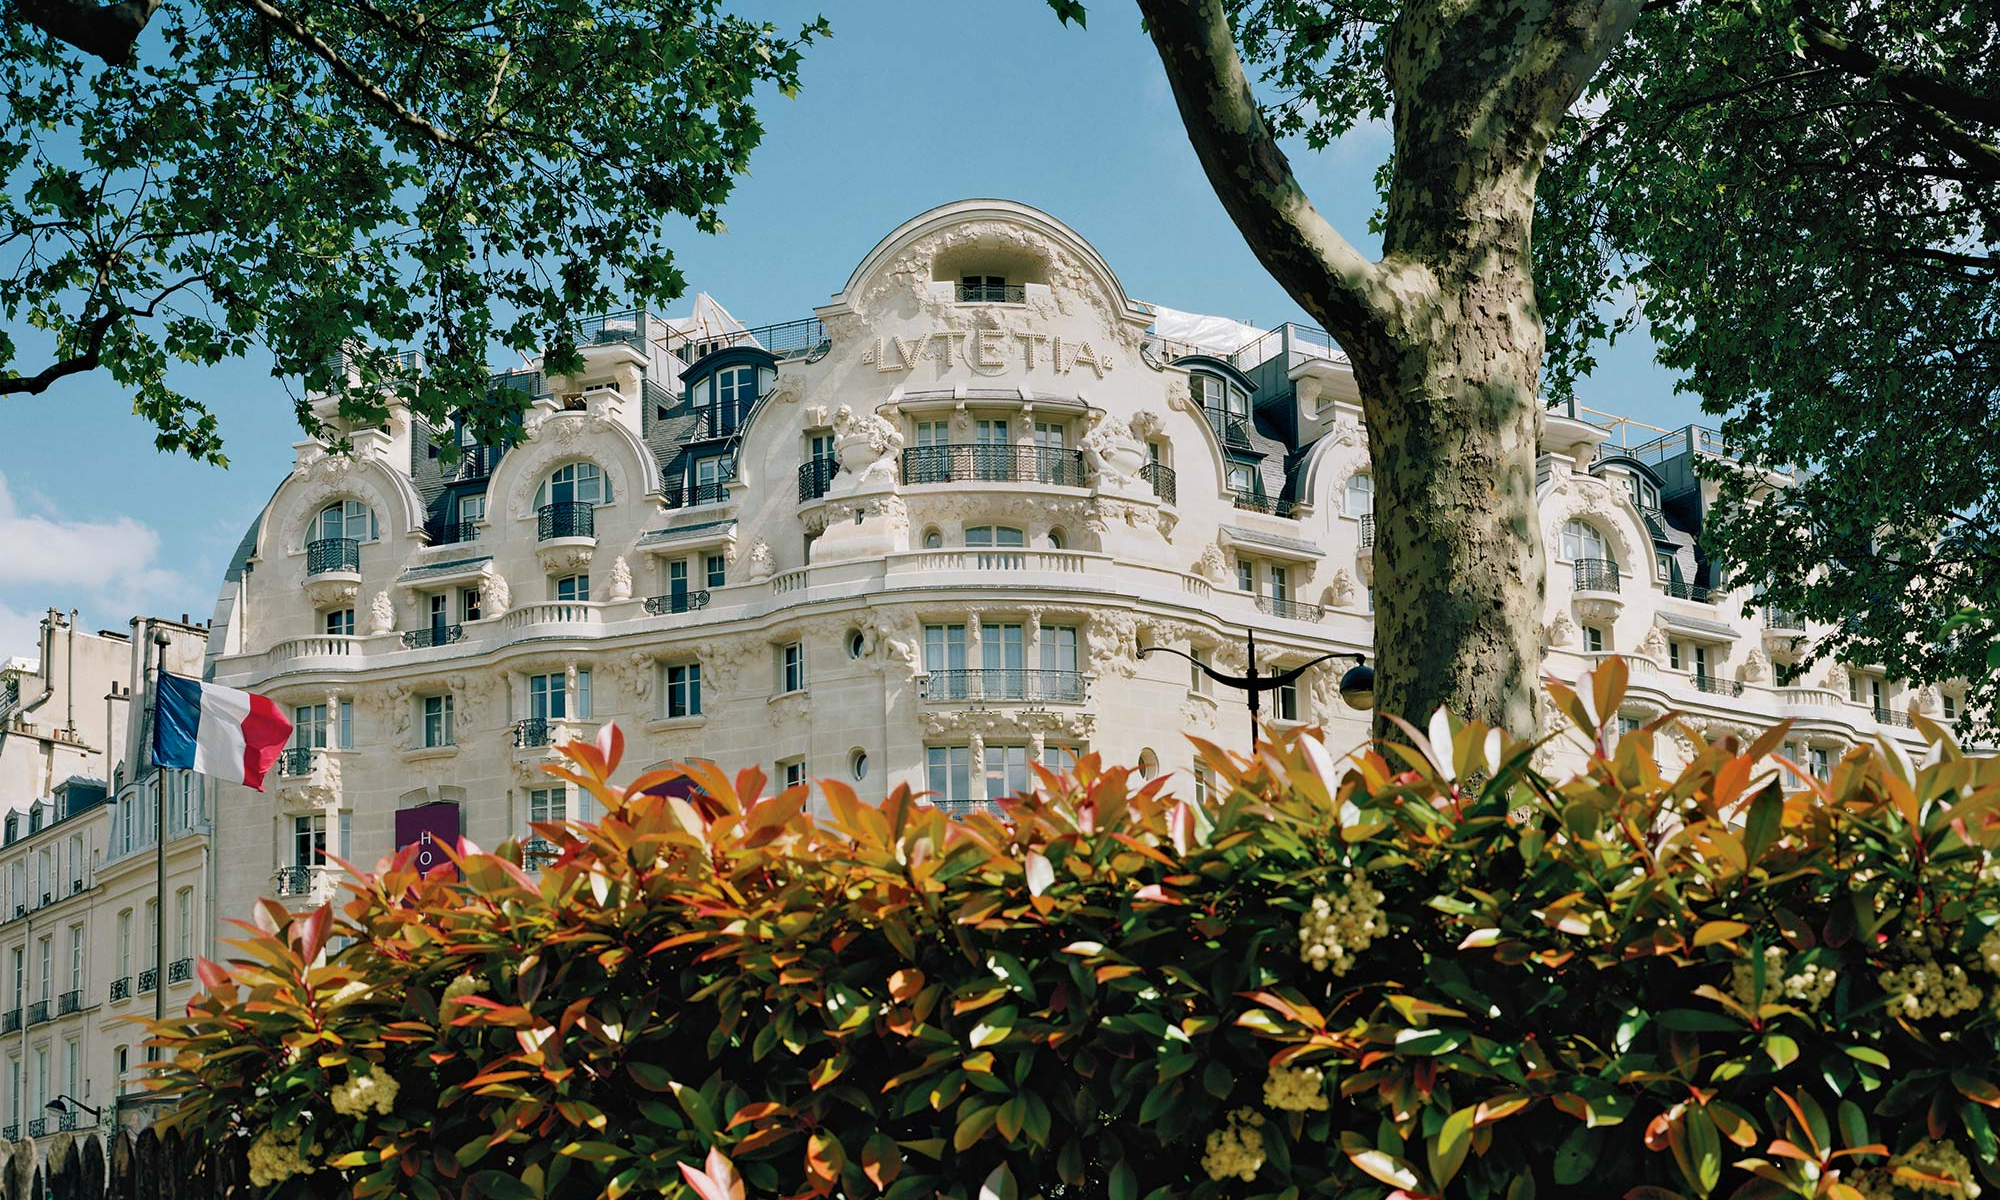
x=1361 y=495
x=1581 y=540
x=1056 y=540
x=933 y=540
x=349 y=519
x=1149 y=764
x=574 y=483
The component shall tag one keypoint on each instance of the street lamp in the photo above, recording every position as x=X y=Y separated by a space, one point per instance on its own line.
x=1360 y=695
x=63 y=1103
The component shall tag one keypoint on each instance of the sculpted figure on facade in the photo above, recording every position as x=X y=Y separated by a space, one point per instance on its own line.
x=1211 y=565
x=1114 y=643
x=868 y=448
x=1113 y=454
x=620 y=587
x=381 y=614
x=1756 y=668
x=495 y=596
x=1654 y=644
x=1561 y=630
x=1341 y=592
x=762 y=563
x=1836 y=678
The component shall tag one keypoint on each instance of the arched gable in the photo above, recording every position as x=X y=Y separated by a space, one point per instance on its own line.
x=319 y=481
x=566 y=437
x=1606 y=507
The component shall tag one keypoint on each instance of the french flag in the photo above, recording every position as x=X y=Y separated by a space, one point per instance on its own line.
x=217 y=731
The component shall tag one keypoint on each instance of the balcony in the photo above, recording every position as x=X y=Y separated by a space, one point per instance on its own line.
x=1231 y=429
x=1885 y=716
x=149 y=980
x=992 y=293
x=181 y=970
x=1252 y=500
x=451 y=533
x=1715 y=686
x=1161 y=477
x=38 y=1012
x=815 y=477
x=677 y=602
x=436 y=635
x=721 y=420
x=1008 y=684
x=11 y=1133
x=568 y=519
x=1595 y=575
x=69 y=1002
x=285 y=881
x=523 y=617
x=1291 y=610
x=296 y=762
x=531 y=732
x=331 y=555
x=681 y=494
x=1689 y=591
x=1783 y=621
x=959 y=463
x=121 y=989
x=11 y=1022
x=474 y=462
x=66 y=1120
x=38 y=1127
x=1368 y=533
x=538 y=852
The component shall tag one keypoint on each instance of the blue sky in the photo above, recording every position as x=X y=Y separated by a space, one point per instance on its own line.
x=907 y=106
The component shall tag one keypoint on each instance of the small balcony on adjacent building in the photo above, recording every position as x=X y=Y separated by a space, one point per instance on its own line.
x=1715 y=685
x=1252 y=500
x=1689 y=591
x=1291 y=610
x=181 y=970
x=1003 y=685
x=1161 y=477
x=686 y=494
x=38 y=1012
x=69 y=1002
x=677 y=602
x=978 y=463
x=121 y=989
x=450 y=533
x=815 y=477
x=533 y=732
x=10 y=1022
x=149 y=980
x=434 y=635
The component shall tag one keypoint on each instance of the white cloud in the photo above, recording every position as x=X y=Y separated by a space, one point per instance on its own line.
x=109 y=568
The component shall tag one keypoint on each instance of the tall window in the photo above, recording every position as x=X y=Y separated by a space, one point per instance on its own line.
x=717 y=570
x=76 y=846
x=438 y=721
x=572 y=588
x=308 y=842
x=1876 y=699
x=1003 y=653
x=1006 y=771
x=309 y=726
x=1059 y=648
x=990 y=449
x=349 y=519
x=574 y=483
x=1361 y=495
x=72 y=1066
x=949 y=771
x=1581 y=539
x=792 y=667
x=1816 y=761
x=471 y=509
x=46 y=960
x=76 y=958
x=548 y=698
x=468 y=604
x=20 y=975
x=183 y=926
x=1204 y=782
x=735 y=392
x=677 y=583
x=1281 y=583
x=1197 y=678
x=125 y=944
x=548 y=804
x=793 y=771
x=684 y=689
x=1288 y=701
x=709 y=475
x=1246 y=575
x=1593 y=639
x=944 y=660
x=340 y=622
x=121 y=1063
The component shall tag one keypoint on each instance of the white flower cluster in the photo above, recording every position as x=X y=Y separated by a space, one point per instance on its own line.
x=1932 y=1159
x=1339 y=925
x=1923 y=988
x=1810 y=985
x=465 y=984
x=1295 y=1089
x=1236 y=1151
x=275 y=1157
x=1989 y=951
x=363 y=1092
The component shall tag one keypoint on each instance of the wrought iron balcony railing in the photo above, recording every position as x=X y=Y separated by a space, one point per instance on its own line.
x=815 y=477
x=333 y=554
x=690 y=495
x=1230 y=429
x=66 y=1120
x=1367 y=531
x=570 y=518
x=677 y=602
x=722 y=420
x=1782 y=618
x=961 y=463
x=1252 y=500
x=121 y=989
x=38 y=1012
x=149 y=980
x=38 y=1127
x=531 y=731
x=1025 y=685
x=474 y=462
x=992 y=293
x=1887 y=716
x=1161 y=476
x=1689 y=591
x=1716 y=686
x=295 y=762
x=538 y=852
x=181 y=970
x=286 y=881
x=436 y=635
x=1296 y=610
x=11 y=1132
x=1595 y=575
x=447 y=533
x=11 y=1022
x=69 y=1002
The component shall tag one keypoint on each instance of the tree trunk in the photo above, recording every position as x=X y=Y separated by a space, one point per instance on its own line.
x=1444 y=334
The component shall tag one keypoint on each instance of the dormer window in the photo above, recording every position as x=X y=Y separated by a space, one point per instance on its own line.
x=348 y=520
x=1644 y=495
x=574 y=483
x=989 y=289
x=1214 y=395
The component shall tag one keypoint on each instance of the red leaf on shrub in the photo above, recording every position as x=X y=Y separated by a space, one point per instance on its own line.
x=824 y=1157
x=611 y=745
x=707 y=1188
x=1157 y=894
x=213 y=975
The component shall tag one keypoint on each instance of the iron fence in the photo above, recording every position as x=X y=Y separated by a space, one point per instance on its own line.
x=992 y=293
x=69 y=1002
x=1689 y=591
x=1007 y=683
x=332 y=554
x=436 y=635
x=960 y=463
x=1716 y=686
x=1782 y=618
x=682 y=494
x=288 y=881
x=295 y=762
x=451 y=533
x=815 y=477
x=181 y=970
x=1368 y=531
x=1252 y=500
x=1296 y=610
x=569 y=518
x=677 y=602
x=121 y=989
x=530 y=732
x=1595 y=575
x=1161 y=476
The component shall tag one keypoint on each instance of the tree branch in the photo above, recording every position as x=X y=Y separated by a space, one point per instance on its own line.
x=88 y=359
x=1241 y=156
x=108 y=32
x=371 y=91
x=1828 y=46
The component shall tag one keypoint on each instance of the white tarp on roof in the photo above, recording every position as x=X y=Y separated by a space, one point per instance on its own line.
x=1214 y=333
x=709 y=322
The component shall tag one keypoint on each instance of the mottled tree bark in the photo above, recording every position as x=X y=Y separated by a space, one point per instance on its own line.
x=1443 y=332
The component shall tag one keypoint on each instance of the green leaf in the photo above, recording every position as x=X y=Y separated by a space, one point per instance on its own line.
x=1574 y=1157
x=1447 y=1149
x=498 y=1185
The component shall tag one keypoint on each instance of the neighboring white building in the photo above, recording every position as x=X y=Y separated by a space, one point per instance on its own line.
x=79 y=880
x=920 y=537
x=61 y=714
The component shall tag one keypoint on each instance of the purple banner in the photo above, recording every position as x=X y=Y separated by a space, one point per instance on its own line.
x=430 y=828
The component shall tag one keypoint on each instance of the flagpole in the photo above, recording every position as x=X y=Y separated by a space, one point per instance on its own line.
x=160 y=641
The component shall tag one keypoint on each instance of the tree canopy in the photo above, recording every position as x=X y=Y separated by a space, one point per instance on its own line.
x=187 y=179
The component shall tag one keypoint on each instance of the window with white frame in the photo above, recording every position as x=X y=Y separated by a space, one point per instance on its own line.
x=1950 y=703
x=1058 y=757
x=944 y=660
x=1246 y=575
x=1593 y=639
x=548 y=697
x=1288 y=701
x=1582 y=540
x=340 y=622
x=1006 y=770
x=471 y=511
x=1059 y=648
x=344 y=519
x=438 y=730
x=76 y=958
x=717 y=570
x=792 y=771
x=184 y=923
x=468 y=604
x=1197 y=678
x=1240 y=479
x=792 y=667
x=1281 y=582
x=999 y=536
x=1204 y=782
x=308 y=841
x=574 y=483
x=1816 y=761
x=948 y=775
x=1360 y=494
x=548 y=805
x=683 y=689
x=125 y=944
x=574 y=588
